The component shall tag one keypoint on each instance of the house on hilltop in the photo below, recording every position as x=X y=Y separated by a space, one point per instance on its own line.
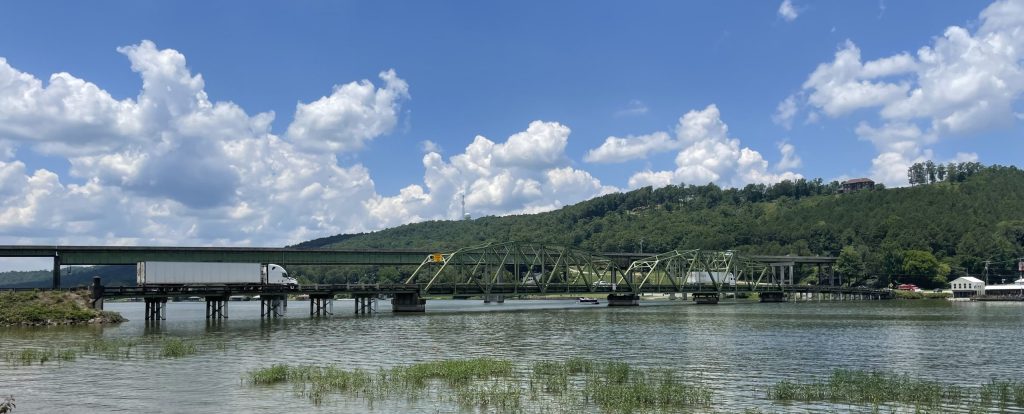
x=856 y=184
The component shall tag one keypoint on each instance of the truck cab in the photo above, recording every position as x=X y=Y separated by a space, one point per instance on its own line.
x=276 y=275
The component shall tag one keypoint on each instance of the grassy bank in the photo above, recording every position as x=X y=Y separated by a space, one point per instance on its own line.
x=51 y=308
x=906 y=294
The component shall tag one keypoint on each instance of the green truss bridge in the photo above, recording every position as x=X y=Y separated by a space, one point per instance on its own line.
x=491 y=270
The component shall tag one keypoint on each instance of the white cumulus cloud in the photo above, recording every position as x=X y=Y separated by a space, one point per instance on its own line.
x=527 y=173
x=171 y=166
x=961 y=83
x=353 y=114
x=707 y=154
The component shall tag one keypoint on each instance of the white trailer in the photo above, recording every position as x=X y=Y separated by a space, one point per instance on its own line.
x=704 y=278
x=211 y=273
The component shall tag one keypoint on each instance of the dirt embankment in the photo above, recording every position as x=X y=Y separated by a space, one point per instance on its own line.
x=51 y=308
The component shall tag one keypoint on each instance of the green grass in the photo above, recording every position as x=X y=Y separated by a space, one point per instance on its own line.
x=114 y=349
x=494 y=385
x=177 y=348
x=50 y=308
x=880 y=388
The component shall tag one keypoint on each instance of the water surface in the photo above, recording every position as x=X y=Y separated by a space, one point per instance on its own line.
x=738 y=349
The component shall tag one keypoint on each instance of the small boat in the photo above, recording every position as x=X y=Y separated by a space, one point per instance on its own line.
x=589 y=301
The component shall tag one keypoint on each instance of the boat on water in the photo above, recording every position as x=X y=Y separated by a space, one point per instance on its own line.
x=589 y=301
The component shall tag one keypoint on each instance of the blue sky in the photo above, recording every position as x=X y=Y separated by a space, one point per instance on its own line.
x=570 y=100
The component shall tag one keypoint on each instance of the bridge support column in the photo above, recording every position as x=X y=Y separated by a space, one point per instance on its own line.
x=408 y=302
x=96 y=294
x=771 y=297
x=365 y=304
x=629 y=299
x=217 y=307
x=705 y=298
x=494 y=298
x=156 y=309
x=56 y=272
x=321 y=305
x=272 y=306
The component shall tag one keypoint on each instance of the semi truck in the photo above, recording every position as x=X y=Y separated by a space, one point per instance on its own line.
x=211 y=273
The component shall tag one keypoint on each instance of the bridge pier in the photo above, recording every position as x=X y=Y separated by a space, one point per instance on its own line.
x=772 y=297
x=96 y=294
x=365 y=304
x=156 y=309
x=408 y=302
x=217 y=307
x=494 y=298
x=705 y=298
x=629 y=299
x=272 y=306
x=321 y=305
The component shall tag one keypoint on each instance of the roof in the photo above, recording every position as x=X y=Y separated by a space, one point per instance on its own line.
x=858 y=180
x=967 y=279
x=1004 y=287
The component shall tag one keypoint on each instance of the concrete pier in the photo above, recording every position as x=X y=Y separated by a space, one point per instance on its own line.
x=273 y=306
x=629 y=299
x=408 y=302
x=365 y=304
x=156 y=309
x=705 y=298
x=216 y=307
x=321 y=305
x=770 y=297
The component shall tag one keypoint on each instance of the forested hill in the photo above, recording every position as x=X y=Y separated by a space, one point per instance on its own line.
x=930 y=231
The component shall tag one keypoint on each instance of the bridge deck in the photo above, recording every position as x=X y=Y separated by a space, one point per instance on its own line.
x=451 y=290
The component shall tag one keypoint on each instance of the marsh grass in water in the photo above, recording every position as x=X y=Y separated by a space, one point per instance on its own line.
x=114 y=349
x=487 y=384
x=31 y=356
x=880 y=388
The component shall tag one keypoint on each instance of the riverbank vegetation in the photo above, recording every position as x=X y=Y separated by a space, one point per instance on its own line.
x=113 y=349
x=51 y=308
x=496 y=385
x=880 y=389
x=928 y=233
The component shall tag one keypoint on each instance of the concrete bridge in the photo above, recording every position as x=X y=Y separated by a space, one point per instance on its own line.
x=491 y=270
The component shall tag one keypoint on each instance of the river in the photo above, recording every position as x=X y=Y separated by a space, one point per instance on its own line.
x=738 y=349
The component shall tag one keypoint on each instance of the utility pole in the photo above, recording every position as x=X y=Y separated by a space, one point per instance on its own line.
x=641 y=246
x=987 y=262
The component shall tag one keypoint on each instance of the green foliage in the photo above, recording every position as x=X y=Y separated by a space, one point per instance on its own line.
x=70 y=277
x=7 y=405
x=850 y=263
x=961 y=221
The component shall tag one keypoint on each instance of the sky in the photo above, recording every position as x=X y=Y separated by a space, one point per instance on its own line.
x=269 y=123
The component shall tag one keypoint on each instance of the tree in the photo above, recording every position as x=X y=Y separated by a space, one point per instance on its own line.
x=930 y=171
x=850 y=264
x=922 y=267
x=917 y=174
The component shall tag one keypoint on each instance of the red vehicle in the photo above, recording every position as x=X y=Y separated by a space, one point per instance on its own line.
x=908 y=286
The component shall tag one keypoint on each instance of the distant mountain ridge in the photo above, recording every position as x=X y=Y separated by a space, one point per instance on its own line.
x=926 y=233
x=954 y=226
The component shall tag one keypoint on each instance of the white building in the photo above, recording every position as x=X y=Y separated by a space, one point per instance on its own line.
x=1014 y=289
x=965 y=287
